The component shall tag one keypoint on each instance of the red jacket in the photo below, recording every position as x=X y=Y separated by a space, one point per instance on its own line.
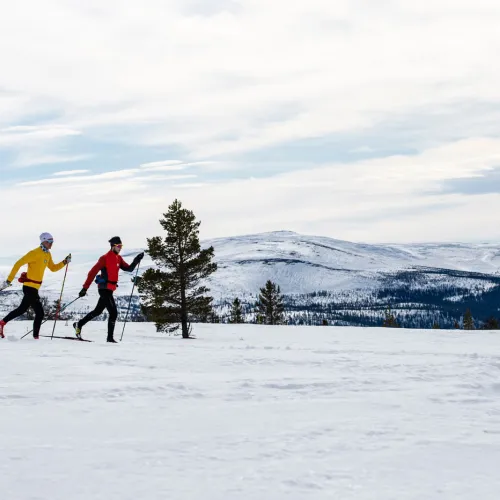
x=109 y=265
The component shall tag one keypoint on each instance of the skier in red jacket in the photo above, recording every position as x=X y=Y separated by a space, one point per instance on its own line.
x=109 y=265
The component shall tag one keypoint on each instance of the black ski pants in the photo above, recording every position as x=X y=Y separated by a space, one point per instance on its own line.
x=31 y=298
x=106 y=301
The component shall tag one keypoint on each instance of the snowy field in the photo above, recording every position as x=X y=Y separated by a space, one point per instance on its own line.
x=246 y=412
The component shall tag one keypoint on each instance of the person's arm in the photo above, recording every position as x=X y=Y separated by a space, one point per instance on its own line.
x=130 y=267
x=56 y=267
x=21 y=262
x=93 y=272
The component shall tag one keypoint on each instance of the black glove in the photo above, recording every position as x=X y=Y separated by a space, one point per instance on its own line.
x=83 y=292
x=139 y=257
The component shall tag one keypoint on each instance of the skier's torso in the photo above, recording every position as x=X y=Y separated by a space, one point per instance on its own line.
x=108 y=266
x=37 y=261
x=109 y=271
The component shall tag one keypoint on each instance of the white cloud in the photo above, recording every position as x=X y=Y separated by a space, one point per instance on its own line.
x=77 y=177
x=81 y=179
x=166 y=164
x=172 y=165
x=217 y=80
x=31 y=158
x=26 y=135
x=392 y=199
x=70 y=172
x=155 y=178
x=189 y=185
x=211 y=78
x=163 y=168
x=35 y=145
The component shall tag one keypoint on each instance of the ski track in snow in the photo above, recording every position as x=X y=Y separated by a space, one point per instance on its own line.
x=246 y=412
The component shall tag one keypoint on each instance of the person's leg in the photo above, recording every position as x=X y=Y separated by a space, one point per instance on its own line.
x=99 y=308
x=36 y=304
x=113 y=316
x=23 y=307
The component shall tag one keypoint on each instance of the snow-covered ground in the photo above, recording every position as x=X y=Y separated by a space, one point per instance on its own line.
x=251 y=412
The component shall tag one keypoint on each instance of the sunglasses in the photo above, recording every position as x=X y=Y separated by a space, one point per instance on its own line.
x=120 y=245
x=49 y=241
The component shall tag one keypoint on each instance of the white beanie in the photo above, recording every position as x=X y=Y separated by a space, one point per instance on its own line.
x=46 y=237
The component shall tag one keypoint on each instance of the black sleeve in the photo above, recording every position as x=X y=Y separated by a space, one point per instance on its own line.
x=128 y=267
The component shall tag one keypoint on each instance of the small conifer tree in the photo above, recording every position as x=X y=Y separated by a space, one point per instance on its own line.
x=468 y=320
x=173 y=292
x=389 y=319
x=214 y=317
x=270 y=305
x=490 y=324
x=236 y=315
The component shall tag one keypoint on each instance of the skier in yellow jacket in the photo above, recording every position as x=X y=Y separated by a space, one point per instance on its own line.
x=37 y=260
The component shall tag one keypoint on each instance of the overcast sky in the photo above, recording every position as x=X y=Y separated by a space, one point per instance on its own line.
x=364 y=120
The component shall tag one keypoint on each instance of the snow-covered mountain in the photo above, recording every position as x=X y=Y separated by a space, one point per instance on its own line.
x=303 y=265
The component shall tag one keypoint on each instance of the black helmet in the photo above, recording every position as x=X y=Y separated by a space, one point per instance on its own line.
x=115 y=240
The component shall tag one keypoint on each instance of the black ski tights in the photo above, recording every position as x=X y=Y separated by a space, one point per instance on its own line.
x=106 y=301
x=30 y=299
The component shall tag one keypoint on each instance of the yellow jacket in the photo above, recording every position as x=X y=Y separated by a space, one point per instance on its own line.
x=37 y=261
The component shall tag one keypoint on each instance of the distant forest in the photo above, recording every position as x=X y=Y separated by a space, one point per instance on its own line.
x=416 y=298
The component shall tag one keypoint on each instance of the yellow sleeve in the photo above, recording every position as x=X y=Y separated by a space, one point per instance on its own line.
x=55 y=267
x=21 y=262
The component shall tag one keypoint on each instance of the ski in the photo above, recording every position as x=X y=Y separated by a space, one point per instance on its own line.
x=66 y=338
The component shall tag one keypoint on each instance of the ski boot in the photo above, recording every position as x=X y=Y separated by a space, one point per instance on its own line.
x=78 y=330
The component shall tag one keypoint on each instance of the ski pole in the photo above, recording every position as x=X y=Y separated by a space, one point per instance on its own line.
x=130 y=300
x=60 y=298
x=45 y=320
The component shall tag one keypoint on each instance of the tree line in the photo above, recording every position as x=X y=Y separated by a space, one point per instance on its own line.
x=468 y=323
x=173 y=294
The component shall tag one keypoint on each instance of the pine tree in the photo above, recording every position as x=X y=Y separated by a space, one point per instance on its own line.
x=436 y=326
x=172 y=293
x=490 y=324
x=236 y=315
x=468 y=320
x=456 y=325
x=389 y=319
x=214 y=317
x=270 y=304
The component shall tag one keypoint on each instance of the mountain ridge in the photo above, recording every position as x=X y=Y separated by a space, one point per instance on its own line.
x=303 y=265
